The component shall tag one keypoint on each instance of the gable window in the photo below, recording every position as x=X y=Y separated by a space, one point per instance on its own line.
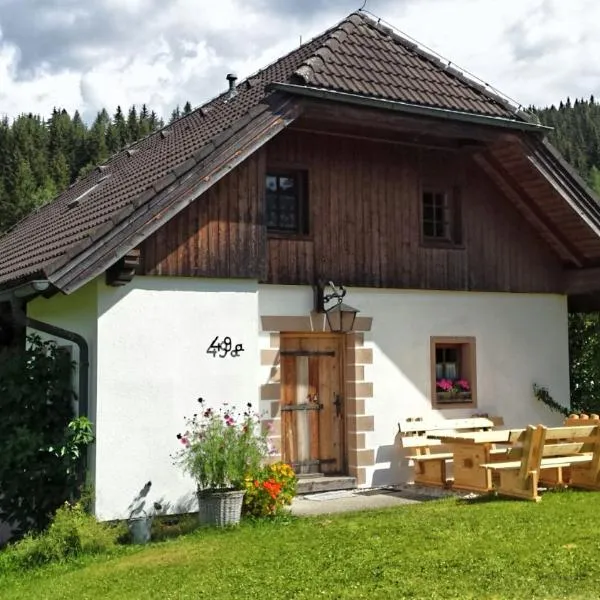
x=453 y=372
x=440 y=217
x=287 y=202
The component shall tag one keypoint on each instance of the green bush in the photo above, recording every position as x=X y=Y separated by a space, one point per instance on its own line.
x=41 y=442
x=269 y=490
x=73 y=532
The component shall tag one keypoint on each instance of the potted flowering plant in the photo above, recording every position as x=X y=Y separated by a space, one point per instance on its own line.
x=219 y=448
x=448 y=390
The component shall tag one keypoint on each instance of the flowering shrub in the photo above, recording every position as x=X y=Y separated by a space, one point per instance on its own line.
x=447 y=385
x=220 y=447
x=269 y=490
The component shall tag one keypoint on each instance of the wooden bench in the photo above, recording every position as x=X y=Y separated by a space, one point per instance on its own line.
x=536 y=449
x=561 y=476
x=429 y=455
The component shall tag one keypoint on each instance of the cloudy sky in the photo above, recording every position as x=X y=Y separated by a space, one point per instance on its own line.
x=91 y=53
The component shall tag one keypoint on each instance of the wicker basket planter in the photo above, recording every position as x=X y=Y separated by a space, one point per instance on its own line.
x=220 y=508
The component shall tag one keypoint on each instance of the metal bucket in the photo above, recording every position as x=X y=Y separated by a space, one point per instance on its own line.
x=140 y=529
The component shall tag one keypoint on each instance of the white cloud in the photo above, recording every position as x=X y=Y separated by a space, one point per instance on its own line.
x=537 y=52
x=109 y=52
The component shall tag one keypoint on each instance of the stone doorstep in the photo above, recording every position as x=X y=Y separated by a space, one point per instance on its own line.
x=320 y=483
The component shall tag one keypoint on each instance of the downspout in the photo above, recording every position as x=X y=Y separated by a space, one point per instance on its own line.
x=84 y=362
x=84 y=357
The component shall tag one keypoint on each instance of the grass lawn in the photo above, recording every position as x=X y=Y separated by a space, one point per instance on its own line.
x=443 y=549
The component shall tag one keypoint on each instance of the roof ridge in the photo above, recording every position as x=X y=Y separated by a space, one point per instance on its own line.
x=329 y=35
x=431 y=56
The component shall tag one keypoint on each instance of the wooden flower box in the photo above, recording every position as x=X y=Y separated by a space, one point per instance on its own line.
x=453 y=397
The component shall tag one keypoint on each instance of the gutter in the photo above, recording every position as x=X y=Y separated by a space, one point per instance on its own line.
x=405 y=107
x=25 y=290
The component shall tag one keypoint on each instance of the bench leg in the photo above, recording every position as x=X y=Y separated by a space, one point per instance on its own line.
x=583 y=476
x=555 y=477
x=431 y=472
x=511 y=484
x=467 y=471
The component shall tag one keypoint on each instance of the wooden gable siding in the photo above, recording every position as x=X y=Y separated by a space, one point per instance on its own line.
x=365 y=222
x=365 y=227
x=218 y=235
x=556 y=211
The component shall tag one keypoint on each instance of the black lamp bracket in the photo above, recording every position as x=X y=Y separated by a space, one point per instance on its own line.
x=337 y=293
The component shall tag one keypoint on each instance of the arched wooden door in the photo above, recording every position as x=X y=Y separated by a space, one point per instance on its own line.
x=312 y=403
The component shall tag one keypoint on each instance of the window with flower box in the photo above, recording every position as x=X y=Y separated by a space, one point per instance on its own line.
x=453 y=372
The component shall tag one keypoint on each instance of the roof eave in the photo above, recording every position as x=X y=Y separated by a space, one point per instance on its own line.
x=407 y=108
x=144 y=221
x=566 y=181
x=26 y=290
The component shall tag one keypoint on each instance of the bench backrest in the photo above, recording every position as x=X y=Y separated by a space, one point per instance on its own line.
x=413 y=433
x=537 y=443
x=424 y=427
x=592 y=419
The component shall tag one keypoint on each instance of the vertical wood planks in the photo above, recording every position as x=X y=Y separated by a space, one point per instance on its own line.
x=365 y=224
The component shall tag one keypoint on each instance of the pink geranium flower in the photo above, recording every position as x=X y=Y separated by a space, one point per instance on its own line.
x=464 y=385
x=445 y=385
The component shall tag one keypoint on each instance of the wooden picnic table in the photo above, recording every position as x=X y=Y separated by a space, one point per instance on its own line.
x=470 y=450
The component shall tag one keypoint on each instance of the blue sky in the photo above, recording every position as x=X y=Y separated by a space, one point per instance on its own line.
x=91 y=53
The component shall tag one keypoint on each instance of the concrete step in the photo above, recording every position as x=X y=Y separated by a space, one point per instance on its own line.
x=320 y=483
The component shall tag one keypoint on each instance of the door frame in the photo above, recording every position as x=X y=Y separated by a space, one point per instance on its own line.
x=360 y=423
x=339 y=338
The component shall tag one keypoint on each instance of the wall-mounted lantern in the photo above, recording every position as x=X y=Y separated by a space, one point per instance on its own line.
x=340 y=316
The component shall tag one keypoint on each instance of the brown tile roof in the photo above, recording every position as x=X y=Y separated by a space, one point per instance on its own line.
x=356 y=56
x=363 y=57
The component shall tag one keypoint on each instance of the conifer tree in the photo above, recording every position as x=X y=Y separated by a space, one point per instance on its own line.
x=133 y=126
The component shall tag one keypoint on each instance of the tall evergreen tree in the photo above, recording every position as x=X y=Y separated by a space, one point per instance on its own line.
x=121 y=132
x=133 y=126
x=175 y=114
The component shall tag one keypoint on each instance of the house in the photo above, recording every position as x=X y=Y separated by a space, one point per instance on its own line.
x=195 y=264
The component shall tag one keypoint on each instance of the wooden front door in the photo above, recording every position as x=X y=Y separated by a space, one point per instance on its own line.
x=312 y=403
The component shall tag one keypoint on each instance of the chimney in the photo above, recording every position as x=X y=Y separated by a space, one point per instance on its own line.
x=232 y=78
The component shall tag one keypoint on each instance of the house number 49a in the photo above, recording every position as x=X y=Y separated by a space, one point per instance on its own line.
x=224 y=348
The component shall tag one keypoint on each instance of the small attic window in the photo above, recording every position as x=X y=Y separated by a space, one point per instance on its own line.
x=76 y=201
x=287 y=202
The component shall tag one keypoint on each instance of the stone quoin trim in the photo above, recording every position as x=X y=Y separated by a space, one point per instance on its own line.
x=358 y=392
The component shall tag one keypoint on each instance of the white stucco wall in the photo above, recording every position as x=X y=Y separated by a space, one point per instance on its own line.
x=148 y=343
x=520 y=339
x=153 y=366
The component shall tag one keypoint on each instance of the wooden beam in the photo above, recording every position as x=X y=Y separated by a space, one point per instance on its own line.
x=124 y=270
x=582 y=281
x=336 y=113
x=376 y=135
x=512 y=189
